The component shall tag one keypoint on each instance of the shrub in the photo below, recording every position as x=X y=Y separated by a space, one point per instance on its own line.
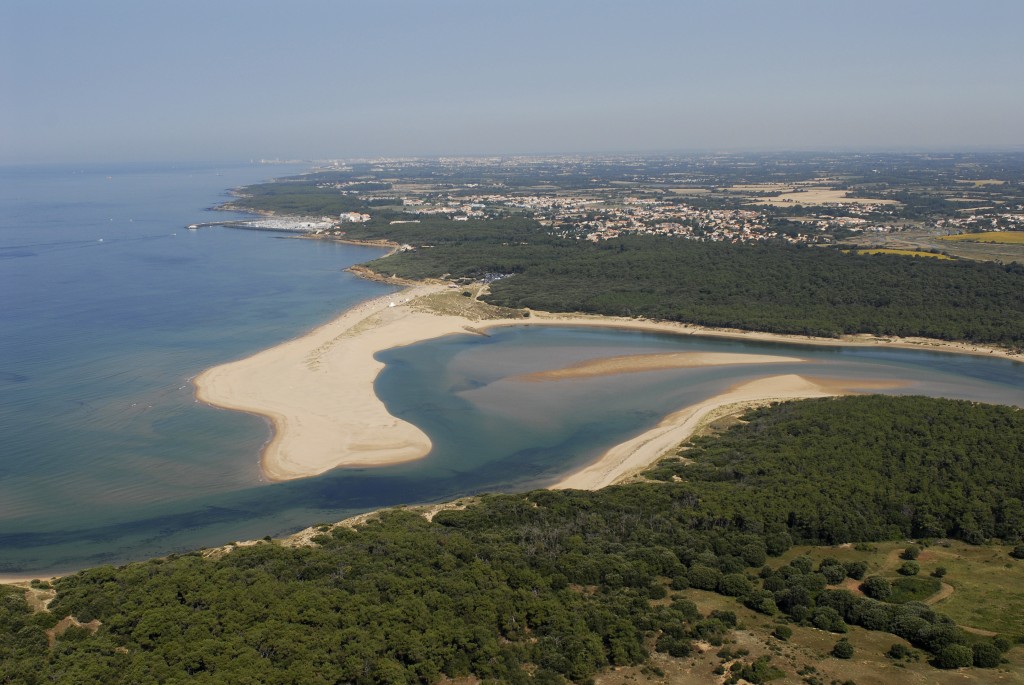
x=759 y=671
x=938 y=636
x=783 y=632
x=656 y=591
x=856 y=569
x=802 y=563
x=778 y=543
x=909 y=568
x=734 y=585
x=833 y=574
x=827 y=618
x=727 y=618
x=704 y=577
x=680 y=582
x=899 y=651
x=911 y=553
x=674 y=646
x=939 y=572
x=760 y=601
x=877 y=587
x=843 y=649
x=955 y=656
x=1018 y=552
x=986 y=655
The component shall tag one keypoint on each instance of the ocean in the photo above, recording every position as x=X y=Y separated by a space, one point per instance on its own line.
x=111 y=306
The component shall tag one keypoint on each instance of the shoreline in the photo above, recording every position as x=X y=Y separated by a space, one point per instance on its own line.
x=625 y=460
x=317 y=389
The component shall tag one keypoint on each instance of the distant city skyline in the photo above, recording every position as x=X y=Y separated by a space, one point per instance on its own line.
x=113 y=80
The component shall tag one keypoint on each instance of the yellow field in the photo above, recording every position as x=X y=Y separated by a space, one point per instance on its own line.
x=762 y=188
x=1000 y=237
x=983 y=182
x=821 y=196
x=908 y=253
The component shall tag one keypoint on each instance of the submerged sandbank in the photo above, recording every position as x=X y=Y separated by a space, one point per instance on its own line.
x=318 y=389
x=639 y=363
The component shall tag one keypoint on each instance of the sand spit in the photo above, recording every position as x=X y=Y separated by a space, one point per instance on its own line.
x=317 y=390
x=628 y=458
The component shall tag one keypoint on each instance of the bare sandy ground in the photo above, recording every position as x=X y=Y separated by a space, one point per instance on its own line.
x=317 y=389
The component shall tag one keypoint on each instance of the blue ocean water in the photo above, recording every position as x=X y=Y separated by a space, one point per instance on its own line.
x=110 y=306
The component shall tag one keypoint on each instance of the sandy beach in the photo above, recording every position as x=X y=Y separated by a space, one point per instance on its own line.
x=628 y=458
x=317 y=390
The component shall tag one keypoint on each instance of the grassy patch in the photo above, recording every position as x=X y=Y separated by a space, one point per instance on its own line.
x=805 y=657
x=988 y=586
x=915 y=589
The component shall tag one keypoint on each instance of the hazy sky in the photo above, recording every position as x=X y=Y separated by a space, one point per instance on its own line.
x=210 y=79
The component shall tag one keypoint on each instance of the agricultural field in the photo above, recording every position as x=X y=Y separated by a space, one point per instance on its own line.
x=997 y=237
x=1005 y=247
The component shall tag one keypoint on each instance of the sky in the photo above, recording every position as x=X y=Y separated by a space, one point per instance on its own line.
x=139 y=80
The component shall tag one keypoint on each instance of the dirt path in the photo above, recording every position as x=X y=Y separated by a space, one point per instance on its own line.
x=945 y=591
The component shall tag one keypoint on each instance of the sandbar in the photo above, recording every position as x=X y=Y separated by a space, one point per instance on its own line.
x=639 y=363
x=627 y=458
x=317 y=390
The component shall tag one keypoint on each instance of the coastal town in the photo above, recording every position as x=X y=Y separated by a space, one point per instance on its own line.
x=817 y=200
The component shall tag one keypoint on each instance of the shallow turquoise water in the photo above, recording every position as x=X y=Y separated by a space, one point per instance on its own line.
x=106 y=457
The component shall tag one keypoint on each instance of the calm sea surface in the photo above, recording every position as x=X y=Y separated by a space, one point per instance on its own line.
x=110 y=307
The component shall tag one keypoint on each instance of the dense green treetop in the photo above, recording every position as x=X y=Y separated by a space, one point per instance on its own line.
x=553 y=585
x=774 y=288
